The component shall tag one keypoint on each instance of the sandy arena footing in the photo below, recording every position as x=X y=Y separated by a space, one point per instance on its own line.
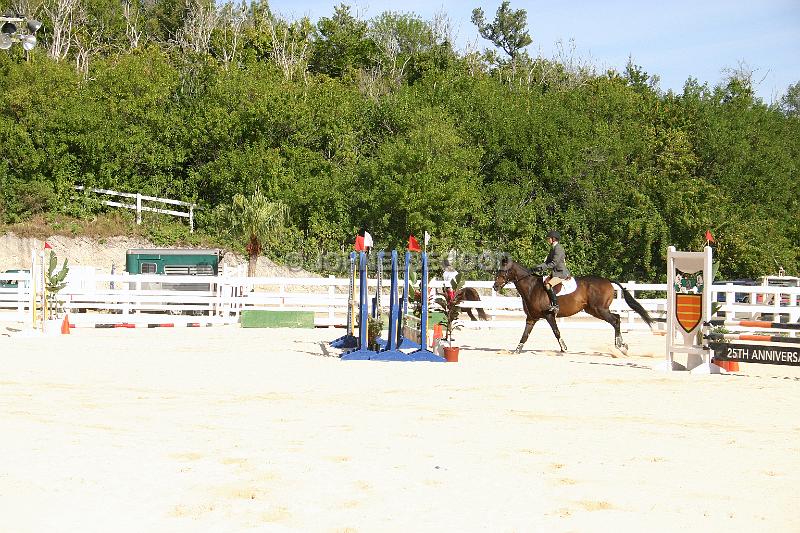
x=229 y=429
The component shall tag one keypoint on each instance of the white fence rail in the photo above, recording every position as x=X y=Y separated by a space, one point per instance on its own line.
x=108 y=298
x=138 y=207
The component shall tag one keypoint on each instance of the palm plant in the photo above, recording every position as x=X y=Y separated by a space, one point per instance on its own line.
x=258 y=221
x=54 y=282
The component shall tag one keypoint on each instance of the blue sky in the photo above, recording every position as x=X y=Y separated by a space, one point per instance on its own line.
x=673 y=39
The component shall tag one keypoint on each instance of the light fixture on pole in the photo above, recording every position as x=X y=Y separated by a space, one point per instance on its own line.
x=15 y=28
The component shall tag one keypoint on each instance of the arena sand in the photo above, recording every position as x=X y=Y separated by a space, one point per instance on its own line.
x=228 y=429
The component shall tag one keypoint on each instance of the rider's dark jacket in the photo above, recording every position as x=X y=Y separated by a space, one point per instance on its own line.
x=556 y=262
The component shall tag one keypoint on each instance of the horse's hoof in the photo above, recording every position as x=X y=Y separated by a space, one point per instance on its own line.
x=619 y=351
x=563 y=345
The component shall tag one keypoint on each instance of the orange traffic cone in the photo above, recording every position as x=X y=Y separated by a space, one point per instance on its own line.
x=437 y=332
x=65 y=325
x=730 y=366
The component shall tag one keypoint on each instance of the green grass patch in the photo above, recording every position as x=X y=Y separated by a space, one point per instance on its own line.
x=277 y=319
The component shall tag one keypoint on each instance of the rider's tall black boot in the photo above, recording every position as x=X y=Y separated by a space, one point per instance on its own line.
x=553 y=299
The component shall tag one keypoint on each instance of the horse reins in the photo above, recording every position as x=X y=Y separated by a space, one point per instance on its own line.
x=515 y=280
x=529 y=274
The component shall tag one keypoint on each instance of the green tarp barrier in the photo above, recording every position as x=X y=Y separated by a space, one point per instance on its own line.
x=277 y=319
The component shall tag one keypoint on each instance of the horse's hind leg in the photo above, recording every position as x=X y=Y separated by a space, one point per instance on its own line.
x=528 y=327
x=551 y=319
x=469 y=312
x=615 y=320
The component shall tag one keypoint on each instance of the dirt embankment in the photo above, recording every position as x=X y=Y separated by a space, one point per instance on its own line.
x=105 y=253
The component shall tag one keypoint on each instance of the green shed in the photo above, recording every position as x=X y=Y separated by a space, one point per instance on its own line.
x=174 y=262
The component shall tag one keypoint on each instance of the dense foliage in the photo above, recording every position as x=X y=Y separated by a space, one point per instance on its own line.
x=381 y=125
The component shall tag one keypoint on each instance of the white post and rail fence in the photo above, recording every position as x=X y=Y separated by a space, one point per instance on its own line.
x=93 y=298
x=139 y=206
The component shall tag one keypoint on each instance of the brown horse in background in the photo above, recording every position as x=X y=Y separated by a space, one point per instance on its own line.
x=471 y=294
x=593 y=295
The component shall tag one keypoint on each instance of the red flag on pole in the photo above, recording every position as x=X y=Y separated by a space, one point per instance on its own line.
x=359 y=243
x=47 y=246
x=413 y=244
x=709 y=237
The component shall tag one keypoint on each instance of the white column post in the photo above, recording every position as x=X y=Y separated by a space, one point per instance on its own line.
x=331 y=302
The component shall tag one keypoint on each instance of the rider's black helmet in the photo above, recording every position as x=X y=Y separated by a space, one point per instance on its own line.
x=553 y=234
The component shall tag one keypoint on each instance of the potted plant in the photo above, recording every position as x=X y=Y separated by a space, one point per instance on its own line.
x=374 y=328
x=448 y=303
x=415 y=301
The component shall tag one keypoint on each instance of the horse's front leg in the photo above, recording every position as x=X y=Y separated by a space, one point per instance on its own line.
x=528 y=327
x=551 y=319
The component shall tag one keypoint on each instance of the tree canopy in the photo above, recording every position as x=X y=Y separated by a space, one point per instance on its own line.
x=382 y=124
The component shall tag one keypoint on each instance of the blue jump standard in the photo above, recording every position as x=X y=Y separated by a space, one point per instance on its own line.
x=376 y=300
x=404 y=344
x=423 y=354
x=349 y=340
x=427 y=355
x=360 y=354
x=389 y=349
x=392 y=346
x=344 y=342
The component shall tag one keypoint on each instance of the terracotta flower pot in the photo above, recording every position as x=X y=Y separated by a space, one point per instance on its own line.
x=451 y=354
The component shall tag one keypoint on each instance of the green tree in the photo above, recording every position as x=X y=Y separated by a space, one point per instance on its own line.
x=258 y=221
x=163 y=18
x=342 y=44
x=507 y=30
x=790 y=102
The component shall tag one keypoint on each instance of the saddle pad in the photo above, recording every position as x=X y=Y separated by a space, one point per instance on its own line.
x=567 y=286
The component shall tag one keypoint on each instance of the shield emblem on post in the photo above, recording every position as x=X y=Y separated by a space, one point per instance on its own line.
x=688 y=310
x=688 y=299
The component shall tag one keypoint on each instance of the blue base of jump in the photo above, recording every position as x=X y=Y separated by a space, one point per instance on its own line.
x=408 y=344
x=358 y=355
x=405 y=344
x=391 y=355
x=347 y=341
x=426 y=355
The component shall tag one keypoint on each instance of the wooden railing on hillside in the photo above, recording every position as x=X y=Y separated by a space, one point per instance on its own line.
x=138 y=207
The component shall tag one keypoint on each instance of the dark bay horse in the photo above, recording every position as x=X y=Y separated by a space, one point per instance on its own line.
x=593 y=295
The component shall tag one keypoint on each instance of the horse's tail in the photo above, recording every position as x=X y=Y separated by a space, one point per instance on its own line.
x=633 y=304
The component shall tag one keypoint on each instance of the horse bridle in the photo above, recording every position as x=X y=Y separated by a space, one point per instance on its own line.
x=508 y=280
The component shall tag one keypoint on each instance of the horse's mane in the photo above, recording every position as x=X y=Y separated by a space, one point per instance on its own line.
x=527 y=270
x=537 y=278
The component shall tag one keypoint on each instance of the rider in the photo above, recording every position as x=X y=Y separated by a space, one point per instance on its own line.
x=449 y=275
x=556 y=262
